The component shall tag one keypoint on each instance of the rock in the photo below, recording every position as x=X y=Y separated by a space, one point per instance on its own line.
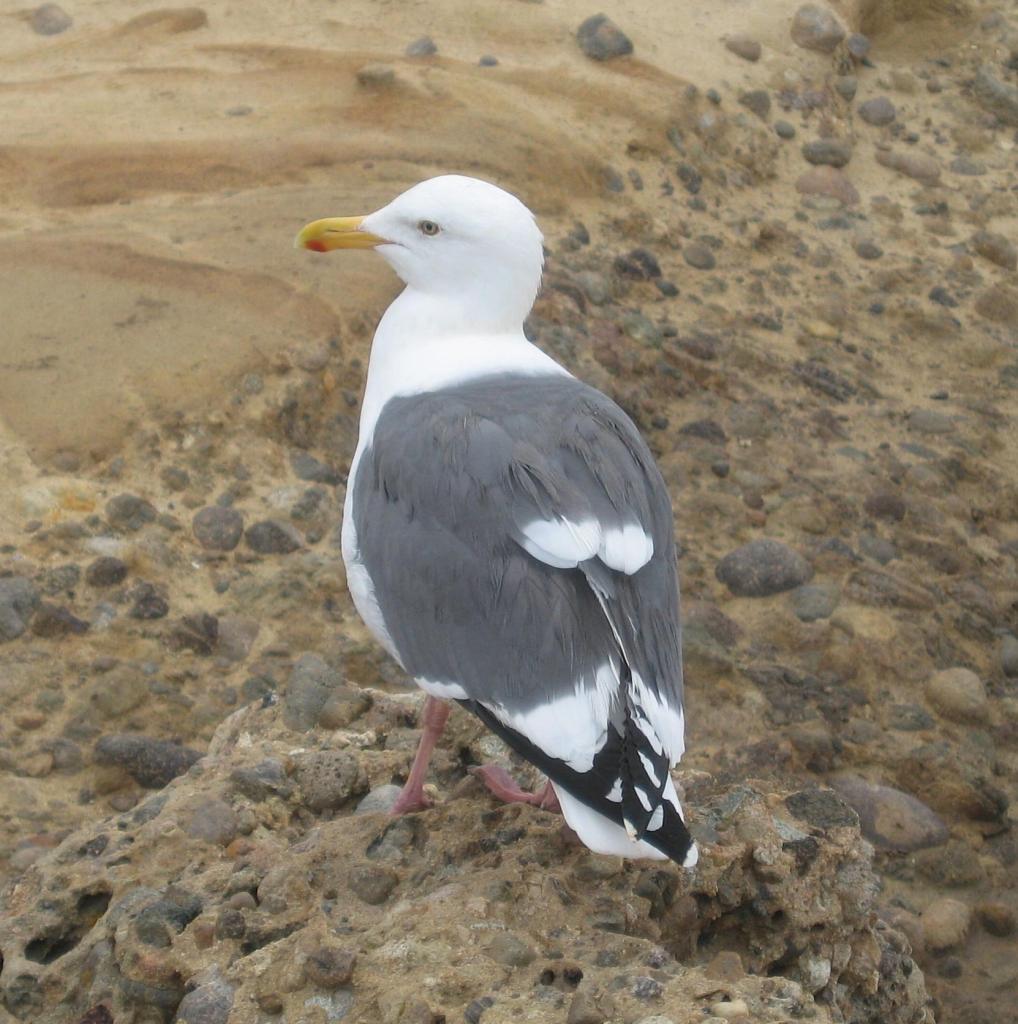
x=959 y=695
x=306 y=467
x=273 y=537
x=311 y=684
x=816 y=28
x=212 y=821
x=878 y=111
x=373 y=883
x=18 y=600
x=217 y=528
x=209 y=1003
x=601 y=39
x=698 y=255
x=50 y=20
x=151 y=763
x=858 y=46
x=828 y=152
x=343 y=706
x=868 y=250
x=119 y=691
x=423 y=47
x=995 y=96
x=263 y=780
x=996 y=248
x=758 y=101
x=236 y=637
x=379 y=800
x=967 y=166
x=785 y=130
x=376 y=76
x=815 y=601
x=822 y=808
x=827 y=181
x=329 y=778
x=1000 y=304
x=1009 y=656
x=488 y=61
x=762 y=567
x=885 y=505
x=51 y=621
x=922 y=168
x=998 y=919
x=638 y=264
x=198 y=633
x=330 y=967
x=847 y=86
x=889 y=818
x=506 y=948
x=744 y=46
x=946 y=923
x=106 y=572
x=148 y=603
x=591 y=1005
x=129 y=512
x=930 y=421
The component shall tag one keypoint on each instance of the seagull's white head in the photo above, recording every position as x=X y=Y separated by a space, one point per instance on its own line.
x=462 y=241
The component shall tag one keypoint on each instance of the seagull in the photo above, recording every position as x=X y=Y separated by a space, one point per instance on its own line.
x=508 y=537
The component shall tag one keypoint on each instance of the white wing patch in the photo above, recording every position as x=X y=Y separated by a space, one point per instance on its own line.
x=668 y=723
x=563 y=544
x=447 y=691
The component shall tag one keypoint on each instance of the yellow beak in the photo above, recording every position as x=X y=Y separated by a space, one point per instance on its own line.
x=336 y=233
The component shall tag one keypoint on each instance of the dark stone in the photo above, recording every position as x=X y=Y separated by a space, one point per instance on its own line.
x=272 y=537
x=822 y=808
x=53 y=621
x=261 y=781
x=758 y=101
x=60 y=580
x=814 y=601
x=867 y=250
x=784 y=129
x=129 y=512
x=639 y=264
x=217 y=528
x=647 y=989
x=708 y=430
x=423 y=47
x=744 y=46
x=148 y=603
x=909 y=718
x=943 y=297
x=50 y=20
x=691 y=178
x=373 y=883
x=151 y=763
x=763 y=567
x=209 y=1003
x=106 y=572
x=198 y=633
x=878 y=111
x=886 y=505
x=889 y=818
x=821 y=378
x=816 y=28
x=311 y=684
x=330 y=968
x=601 y=39
x=488 y=61
x=828 y=152
x=306 y=467
x=18 y=600
x=698 y=255
x=472 y=1014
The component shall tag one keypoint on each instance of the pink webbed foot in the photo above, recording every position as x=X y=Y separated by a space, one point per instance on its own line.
x=410 y=800
x=502 y=785
x=412 y=797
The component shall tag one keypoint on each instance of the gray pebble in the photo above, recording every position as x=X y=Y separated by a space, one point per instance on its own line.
x=307 y=467
x=858 y=46
x=996 y=248
x=763 y=567
x=646 y=988
x=601 y=39
x=52 y=620
x=217 y=528
x=868 y=250
x=50 y=20
x=784 y=129
x=958 y=694
x=151 y=763
x=148 y=603
x=212 y=821
x=877 y=548
x=966 y=166
x=311 y=684
x=328 y=967
x=1009 y=656
x=889 y=818
x=488 y=61
x=878 y=111
x=129 y=512
x=698 y=255
x=828 y=152
x=996 y=96
x=506 y=948
x=379 y=800
x=816 y=28
x=744 y=46
x=376 y=76
x=373 y=883
x=930 y=421
x=106 y=572
x=175 y=478
x=329 y=778
x=847 y=86
x=18 y=600
x=261 y=781
x=815 y=601
x=886 y=505
x=209 y=1003
x=241 y=110
x=909 y=718
x=758 y=101
x=423 y=47
x=919 y=166
x=822 y=808
x=273 y=537
x=237 y=635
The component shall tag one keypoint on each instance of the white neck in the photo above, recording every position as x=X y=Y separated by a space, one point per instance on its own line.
x=422 y=344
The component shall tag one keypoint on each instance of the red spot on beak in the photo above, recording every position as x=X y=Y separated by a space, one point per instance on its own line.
x=316 y=246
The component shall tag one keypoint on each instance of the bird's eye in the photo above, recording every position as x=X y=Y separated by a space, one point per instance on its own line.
x=428 y=227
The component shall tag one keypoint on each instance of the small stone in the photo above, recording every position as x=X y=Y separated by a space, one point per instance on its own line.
x=744 y=46
x=379 y=800
x=311 y=684
x=999 y=304
x=889 y=818
x=262 y=781
x=847 y=86
x=784 y=129
x=758 y=101
x=828 y=152
x=601 y=39
x=129 y=512
x=488 y=61
x=423 y=47
x=698 y=255
x=828 y=181
x=946 y=923
x=50 y=20
x=506 y=948
x=343 y=706
x=329 y=967
x=995 y=96
x=940 y=295
x=175 y=478
x=868 y=250
x=762 y=567
x=273 y=537
x=647 y=988
x=858 y=46
x=822 y=808
x=329 y=778
x=106 y=572
x=730 y=1009
x=996 y=248
x=198 y=633
x=959 y=695
x=236 y=637
x=930 y=421
x=726 y=966
x=967 y=166
x=816 y=28
x=217 y=528
x=148 y=603
x=639 y=264
x=52 y=621
x=119 y=691
x=998 y=919
x=307 y=467
x=212 y=821
x=376 y=76
x=878 y=111
x=885 y=505
x=1009 y=656
x=209 y=1003
x=18 y=600
x=922 y=168
x=815 y=601
x=151 y=763
x=373 y=883
x=475 y=1009
x=591 y=1005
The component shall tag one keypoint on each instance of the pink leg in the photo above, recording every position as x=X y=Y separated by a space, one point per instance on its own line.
x=412 y=797
x=501 y=784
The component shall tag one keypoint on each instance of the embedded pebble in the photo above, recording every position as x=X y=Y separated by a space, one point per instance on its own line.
x=273 y=537
x=829 y=152
x=601 y=39
x=828 y=181
x=959 y=695
x=373 y=883
x=50 y=20
x=150 y=762
x=744 y=46
x=329 y=778
x=698 y=255
x=379 y=800
x=376 y=76
x=996 y=248
x=1009 y=656
x=997 y=919
x=51 y=621
x=758 y=101
x=106 y=572
x=18 y=600
x=816 y=28
x=878 y=111
x=999 y=98
x=763 y=567
x=217 y=528
x=330 y=967
x=784 y=130
x=508 y=949
x=922 y=168
x=423 y=47
x=946 y=923
x=208 y=1003
x=236 y=635
x=129 y=512
x=212 y=821
x=815 y=601
x=311 y=684
x=306 y=467
x=889 y=818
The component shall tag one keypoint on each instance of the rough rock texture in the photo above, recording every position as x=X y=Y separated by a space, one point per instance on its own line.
x=142 y=914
